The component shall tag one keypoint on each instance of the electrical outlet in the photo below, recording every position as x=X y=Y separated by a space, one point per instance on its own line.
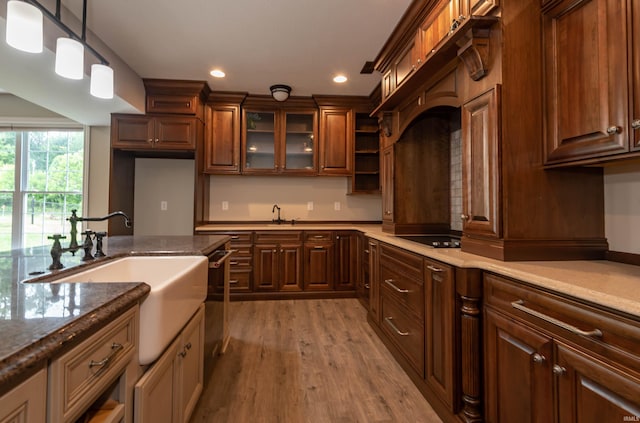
x=225 y=205
x=337 y=206
x=309 y=205
x=163 y=205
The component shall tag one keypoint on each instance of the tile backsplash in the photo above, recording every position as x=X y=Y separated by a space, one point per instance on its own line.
x=456 y=180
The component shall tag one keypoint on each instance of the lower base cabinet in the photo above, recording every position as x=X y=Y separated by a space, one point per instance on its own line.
x=27 y=402
x=170 y=389
x=551 y=359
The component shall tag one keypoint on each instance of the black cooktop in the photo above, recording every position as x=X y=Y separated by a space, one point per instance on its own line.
x=435 y=241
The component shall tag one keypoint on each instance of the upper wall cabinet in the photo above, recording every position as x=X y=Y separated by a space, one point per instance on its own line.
x=222 y=134
x=175 y=96
x=336 y=141
x=592 y=100
x=279 y=139
x=141 y=132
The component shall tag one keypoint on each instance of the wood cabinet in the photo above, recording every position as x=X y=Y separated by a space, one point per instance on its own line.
x=346 y=260
x=366 y=173
x=279 y=140
x=27 y=402
x=363 y=284
x=144 y=132
x=440 y=342
x=386 y=184
x=336 y=141
x=170 y=389
x=537 y=344
x=481 y=177
x=591 y=98
x=319 y=256
x=374 y=281
x=222 y=138
x=277 y=259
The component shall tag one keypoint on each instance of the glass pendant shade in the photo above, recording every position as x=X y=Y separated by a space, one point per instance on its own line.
x=101 y=81
x=24 y=26
x=69 y=58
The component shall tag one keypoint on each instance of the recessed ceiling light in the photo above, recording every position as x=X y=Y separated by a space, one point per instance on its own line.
x=217 y=73
x=339 y=79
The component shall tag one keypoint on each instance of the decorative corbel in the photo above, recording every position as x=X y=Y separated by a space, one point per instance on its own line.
x=474 y=52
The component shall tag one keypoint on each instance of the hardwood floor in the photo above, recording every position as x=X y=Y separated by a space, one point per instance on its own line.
x=307 y=361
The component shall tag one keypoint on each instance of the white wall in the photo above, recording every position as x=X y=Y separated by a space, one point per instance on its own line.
x=251 y=198
x=97 y=199
x=622 y=208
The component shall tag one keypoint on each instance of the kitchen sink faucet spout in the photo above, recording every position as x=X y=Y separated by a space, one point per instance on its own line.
x=273 y=210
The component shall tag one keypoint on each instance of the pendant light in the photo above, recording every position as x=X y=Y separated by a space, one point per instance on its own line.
x=69 y=58
x=24 y=26
x=101 y=81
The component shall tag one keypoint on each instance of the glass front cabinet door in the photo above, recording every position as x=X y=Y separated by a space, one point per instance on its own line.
x=279 y=141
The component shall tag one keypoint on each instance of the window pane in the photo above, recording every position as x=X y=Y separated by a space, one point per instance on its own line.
x=45 y=215
x=7 y=160
x=55 y=161
x=6 y=210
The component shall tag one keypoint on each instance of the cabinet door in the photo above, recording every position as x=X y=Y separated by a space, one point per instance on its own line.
x=387 y=184
x=318 y=266
x=266 y=267
x=259 y=141
x=346 y=273
x=190 y=366
x=175 y=133
x=134 y=131
x=222 y=142
x=590 y=390
x=290 y=267
x=336 y=141
x=374 y=281
x=481 y=165
x=586 y=90
x=298 y=142
x=635 y=76
x=518 y=380
x=439 y=329
x=27 y=402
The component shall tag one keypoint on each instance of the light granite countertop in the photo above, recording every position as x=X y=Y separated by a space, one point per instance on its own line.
x=608 y=284
x=38 y=320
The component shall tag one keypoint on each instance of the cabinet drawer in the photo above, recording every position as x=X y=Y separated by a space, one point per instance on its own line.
x=407 y=292
x=404 y=262
x=239 y=238
x=81 y=375
x=318 y=236
x=240 y=280
x=278 y=236
x=240 y=261
x=405 y=331
x=178 y=104
x=617 y=339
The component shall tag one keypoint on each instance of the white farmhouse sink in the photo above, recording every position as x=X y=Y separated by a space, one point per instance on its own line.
x=178 y=287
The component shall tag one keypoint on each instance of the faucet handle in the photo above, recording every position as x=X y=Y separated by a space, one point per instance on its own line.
x=57 y=237
x=99 y=236
x=87 y=245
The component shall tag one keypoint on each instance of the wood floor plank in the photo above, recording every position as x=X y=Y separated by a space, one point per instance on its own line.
x=316 y=361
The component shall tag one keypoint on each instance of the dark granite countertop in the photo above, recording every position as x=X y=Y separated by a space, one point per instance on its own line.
x=38 y=320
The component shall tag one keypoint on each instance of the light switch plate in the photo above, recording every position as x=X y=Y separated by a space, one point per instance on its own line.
x=225 y=205
x=309 y=205
x=337 y=206
x=163 y=205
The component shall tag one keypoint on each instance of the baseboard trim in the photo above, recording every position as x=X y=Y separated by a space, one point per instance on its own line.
x=622 y=257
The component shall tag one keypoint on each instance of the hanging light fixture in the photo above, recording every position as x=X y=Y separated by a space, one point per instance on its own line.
x=280 y=92
x=24 y=26
x=101 y=81
x=69 y=58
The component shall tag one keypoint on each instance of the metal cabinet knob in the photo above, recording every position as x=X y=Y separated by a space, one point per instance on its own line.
x=612 y=130
x=539 y=358
x=559 y=370
x=464 y=217
x=635 y=124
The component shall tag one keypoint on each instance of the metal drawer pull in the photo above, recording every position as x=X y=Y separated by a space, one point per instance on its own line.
x=434 y=269
x=234 y=282
x=367 y=286
x=220 y=261
x=519 y=305
x=233 y=263
x=234 y=237
x=366 y=251
x=388 y=320
x=319 y=236
x=115 y=348
x=390 y=283
x=318 y=247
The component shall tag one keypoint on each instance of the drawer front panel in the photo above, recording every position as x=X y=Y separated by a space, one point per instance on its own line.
x=405 y=331
x=240 y=238
x=407 y=292
x=240 y=281
x=278 y=236
x=404 y=262
x=240 y=262
x=318 y=236
x=604 y=333
x=82 y=374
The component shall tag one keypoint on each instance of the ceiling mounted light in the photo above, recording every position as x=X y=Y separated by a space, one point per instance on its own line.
x=280 y=92
x=24 y=26
x=101 y=81
x=69 y=58
x=339 y=79
x=217 y=73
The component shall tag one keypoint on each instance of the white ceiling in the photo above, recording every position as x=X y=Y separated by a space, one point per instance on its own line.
x=301 y=43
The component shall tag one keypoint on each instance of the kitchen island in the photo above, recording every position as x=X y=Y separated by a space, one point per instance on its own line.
x=40 y=320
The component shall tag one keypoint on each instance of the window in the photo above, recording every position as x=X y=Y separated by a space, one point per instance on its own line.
x=41 y=181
